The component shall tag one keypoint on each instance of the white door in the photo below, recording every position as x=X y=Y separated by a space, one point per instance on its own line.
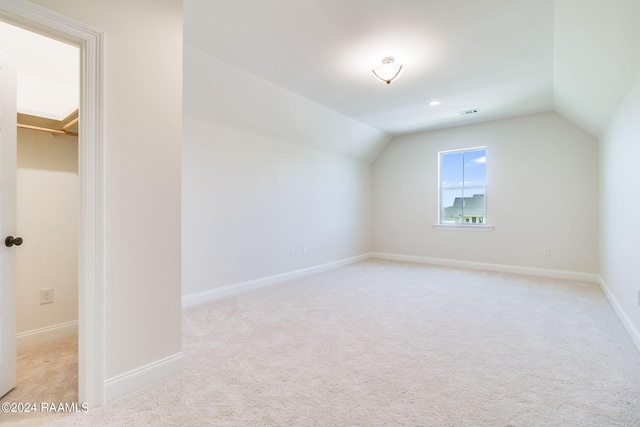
x=8 y=367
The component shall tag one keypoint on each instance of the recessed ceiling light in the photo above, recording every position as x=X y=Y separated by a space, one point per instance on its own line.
x=434 y=103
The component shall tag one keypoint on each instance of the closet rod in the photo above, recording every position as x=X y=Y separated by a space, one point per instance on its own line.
x=70 y=124
x=54 y=131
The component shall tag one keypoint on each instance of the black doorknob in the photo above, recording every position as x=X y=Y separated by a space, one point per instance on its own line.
x=10 y=241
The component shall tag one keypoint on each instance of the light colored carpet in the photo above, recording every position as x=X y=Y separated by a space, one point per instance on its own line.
x=46 y=373
x=395 y=344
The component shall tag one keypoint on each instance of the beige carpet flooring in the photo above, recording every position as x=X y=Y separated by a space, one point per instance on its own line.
x=46 y=373
x=383 y=343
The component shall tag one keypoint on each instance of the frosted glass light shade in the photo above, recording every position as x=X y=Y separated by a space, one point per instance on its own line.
x=388 y=70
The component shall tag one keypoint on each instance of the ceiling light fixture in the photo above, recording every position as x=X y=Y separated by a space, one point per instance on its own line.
x=434 y=103
x=388 y=70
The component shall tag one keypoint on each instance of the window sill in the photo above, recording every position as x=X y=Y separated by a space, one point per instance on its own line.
x=471 y=227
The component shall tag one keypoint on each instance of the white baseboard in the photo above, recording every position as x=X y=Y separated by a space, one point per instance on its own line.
x=501 y=268
x=133 y=380
x=198 y=298
x=50 y=333
x=633 y=331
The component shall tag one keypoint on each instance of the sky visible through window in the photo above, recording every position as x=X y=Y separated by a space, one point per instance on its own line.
x=460 y=172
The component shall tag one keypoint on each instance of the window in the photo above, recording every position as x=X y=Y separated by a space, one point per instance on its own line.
x=463 y=186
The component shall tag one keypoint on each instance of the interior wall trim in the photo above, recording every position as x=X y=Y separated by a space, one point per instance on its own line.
x=231 y=290
x=44 y=335
x=135 y=379
x=500 y=268
x=198 y=298
x=634 y=333
x=631 y=329
x=38 y=19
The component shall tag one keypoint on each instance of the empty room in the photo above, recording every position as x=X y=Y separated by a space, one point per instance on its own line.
x=365 y=212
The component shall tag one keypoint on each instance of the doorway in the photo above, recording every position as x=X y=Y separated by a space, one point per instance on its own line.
x=47 y=188
x=35 y=18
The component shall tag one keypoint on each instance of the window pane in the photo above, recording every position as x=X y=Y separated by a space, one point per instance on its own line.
x=474 y=207
x=451 y=173
x=463 y=181
x=451 y=207
x=475 y=168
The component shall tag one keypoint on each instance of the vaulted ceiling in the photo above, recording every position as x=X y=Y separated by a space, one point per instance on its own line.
x=506 y=58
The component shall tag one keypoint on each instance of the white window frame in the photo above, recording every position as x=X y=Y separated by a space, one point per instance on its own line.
x=466 y=226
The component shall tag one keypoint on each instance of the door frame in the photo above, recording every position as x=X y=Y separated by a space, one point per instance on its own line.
x=91 y=322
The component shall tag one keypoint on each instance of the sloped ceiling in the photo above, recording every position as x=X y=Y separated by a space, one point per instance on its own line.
x=596 y=59
x=507 y=58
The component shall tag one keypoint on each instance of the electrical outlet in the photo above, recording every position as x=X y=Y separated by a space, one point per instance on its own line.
x=546 y=252
x=305 y=251
x=46 y=296
x=292 y=253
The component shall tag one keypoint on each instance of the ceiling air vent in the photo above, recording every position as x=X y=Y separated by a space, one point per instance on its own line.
x=467 y=112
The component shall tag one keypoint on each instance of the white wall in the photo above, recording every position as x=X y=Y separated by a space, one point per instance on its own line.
x=248 y=200
x=47 y=220
x=542 y=193
x=620 y=201
x=143 y=133
x=266 y=171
